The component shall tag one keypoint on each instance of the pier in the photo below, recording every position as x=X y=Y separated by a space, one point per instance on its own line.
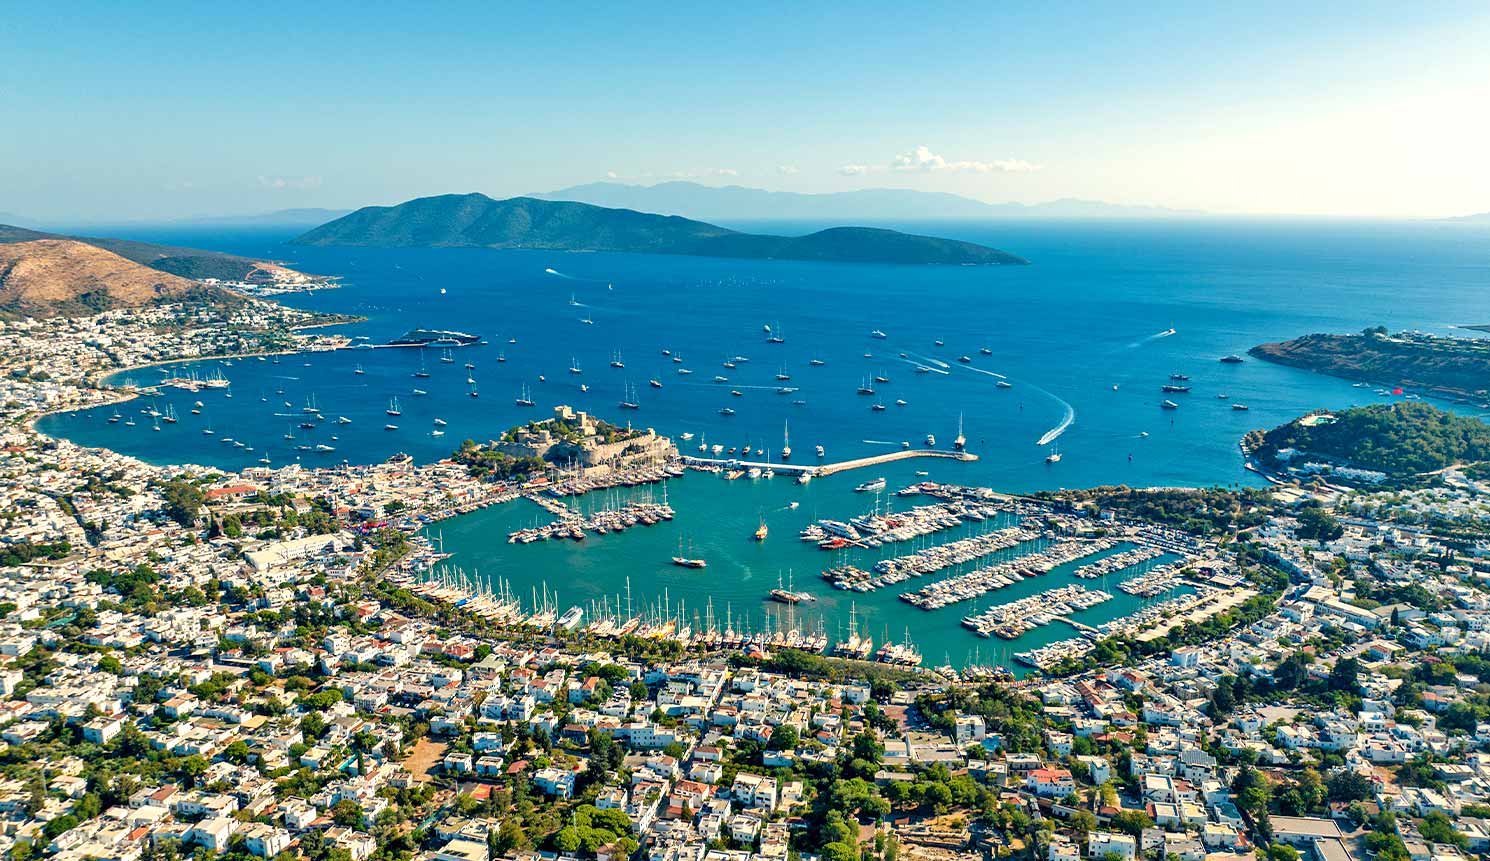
x=817 y=470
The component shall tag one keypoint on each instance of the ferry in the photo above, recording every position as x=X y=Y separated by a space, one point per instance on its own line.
x=1232 y=359
x=437 y=337
x=874 y=485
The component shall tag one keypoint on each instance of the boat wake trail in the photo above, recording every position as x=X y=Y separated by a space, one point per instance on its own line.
x=928 y=360
x=559 y=274
x=915 y=364
x=1154 y=337
x=1068 y=415
x=989 y=373
x=877 y=442
x=1068 y=412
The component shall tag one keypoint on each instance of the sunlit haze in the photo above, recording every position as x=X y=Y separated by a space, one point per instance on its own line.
x=130 y=111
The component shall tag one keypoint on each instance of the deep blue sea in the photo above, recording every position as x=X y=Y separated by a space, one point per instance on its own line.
x=1079 y=335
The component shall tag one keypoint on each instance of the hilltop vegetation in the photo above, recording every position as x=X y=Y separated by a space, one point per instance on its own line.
x=477 y=221
x=1454 y=365
x=1401 y=440
x=52 y=277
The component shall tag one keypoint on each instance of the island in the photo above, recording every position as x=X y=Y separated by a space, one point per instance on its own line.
x=1458 y=367
x=478 y=221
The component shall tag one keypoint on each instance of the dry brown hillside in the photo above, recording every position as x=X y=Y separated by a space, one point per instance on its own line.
x=50 y=277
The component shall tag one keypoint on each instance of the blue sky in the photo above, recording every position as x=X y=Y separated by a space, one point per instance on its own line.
x=169 y=109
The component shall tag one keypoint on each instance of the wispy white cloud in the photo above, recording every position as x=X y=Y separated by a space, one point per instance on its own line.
x=278 y=182
x=787 y=169
x=922 y=159
x=700 y=173
x=854 y=169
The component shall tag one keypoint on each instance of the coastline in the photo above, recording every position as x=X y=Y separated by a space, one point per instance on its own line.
x=117 y=395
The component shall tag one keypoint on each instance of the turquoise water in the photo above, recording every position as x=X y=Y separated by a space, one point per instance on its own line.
x=1086 y=317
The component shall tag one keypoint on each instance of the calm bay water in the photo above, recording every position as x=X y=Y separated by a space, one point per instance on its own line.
x=1085 y=318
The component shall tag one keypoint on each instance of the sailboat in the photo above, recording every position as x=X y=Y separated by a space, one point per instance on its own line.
x=423 y=371
x=629 y=398
x=574 y=367
x=446 y=358
x=685 y=562
x=358 y=370
x=169 y=417
x=615 y=361
x=960 y=442
x=775 y=336
x=524 y=397
x=393 y=409
x=786 y=441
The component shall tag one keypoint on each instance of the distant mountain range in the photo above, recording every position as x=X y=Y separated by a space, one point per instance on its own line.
x=475 y=220
x=692 y=200
x=186 y=262
x=50 y=277
x=1476 y=218
x=308 y=217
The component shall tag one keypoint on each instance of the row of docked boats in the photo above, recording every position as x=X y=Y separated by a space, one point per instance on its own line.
x=974 y=584
x=875 y=529
x=1013 y=620
x=1117 y=562
x=574 y=526
x=937 y=557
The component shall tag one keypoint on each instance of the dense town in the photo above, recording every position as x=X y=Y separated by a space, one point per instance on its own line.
x=195 y=663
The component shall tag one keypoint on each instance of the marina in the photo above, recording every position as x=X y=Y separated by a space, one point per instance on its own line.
x=1092 y=382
